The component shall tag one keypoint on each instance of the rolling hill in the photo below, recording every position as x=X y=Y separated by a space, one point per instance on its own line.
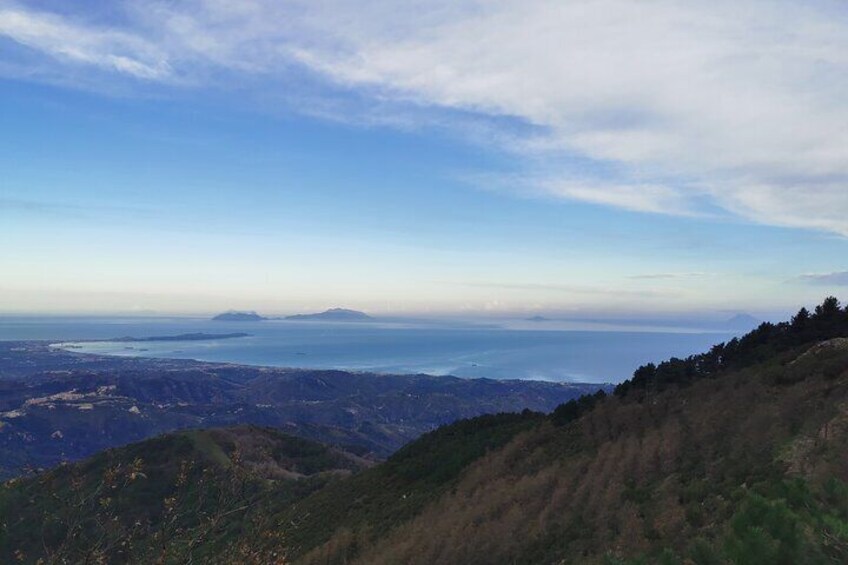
x=733 y=456
x=58 y=406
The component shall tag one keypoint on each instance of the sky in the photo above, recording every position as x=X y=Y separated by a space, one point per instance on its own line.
x=582 y=158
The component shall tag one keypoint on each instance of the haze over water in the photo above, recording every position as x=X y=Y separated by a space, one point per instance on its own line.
x=506 y=350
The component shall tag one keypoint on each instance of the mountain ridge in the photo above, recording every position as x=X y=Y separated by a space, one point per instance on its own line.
x=333 y=314
x=735 y=455
x=238 y=316
x=57 y=405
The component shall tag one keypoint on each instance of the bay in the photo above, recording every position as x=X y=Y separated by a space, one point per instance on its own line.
x=498 y=349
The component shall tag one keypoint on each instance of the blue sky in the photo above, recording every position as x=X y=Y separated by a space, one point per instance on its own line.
x=498 y=157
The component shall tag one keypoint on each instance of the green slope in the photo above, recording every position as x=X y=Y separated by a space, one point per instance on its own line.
x=187 y=494
x=751 y=463
x=350 y=514
x=734 y=456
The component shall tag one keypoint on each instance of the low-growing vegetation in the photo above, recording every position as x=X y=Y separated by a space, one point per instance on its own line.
x=734 y=456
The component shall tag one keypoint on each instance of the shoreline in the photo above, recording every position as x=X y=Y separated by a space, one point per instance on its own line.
x=62 y=347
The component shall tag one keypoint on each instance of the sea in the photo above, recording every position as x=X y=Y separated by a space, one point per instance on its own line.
x=492 y=348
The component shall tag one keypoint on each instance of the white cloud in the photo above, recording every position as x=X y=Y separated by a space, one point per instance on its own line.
x=636 y=197
x=68 y=41
x=743 y=104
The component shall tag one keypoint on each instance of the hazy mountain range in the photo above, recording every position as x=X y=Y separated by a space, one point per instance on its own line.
x=331 y=315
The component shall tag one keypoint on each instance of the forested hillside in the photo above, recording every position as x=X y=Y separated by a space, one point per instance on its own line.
x=197 y=494
x=734 y=456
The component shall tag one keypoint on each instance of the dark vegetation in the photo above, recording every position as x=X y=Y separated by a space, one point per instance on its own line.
x=827 y=321
x=232 y=494
x=573 y=409
x=729 y=457
x=348 y=516
x=190 y=495
x=746 y=466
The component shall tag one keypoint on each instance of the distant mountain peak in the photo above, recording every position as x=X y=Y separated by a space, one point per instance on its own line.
x=239 y=316
x=334 y=314
x=743 y=321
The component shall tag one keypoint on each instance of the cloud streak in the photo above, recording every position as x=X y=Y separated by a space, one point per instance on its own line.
x=666 y=105
x=827 y=279
x=69 y=42
x=560 y=288
x=668 y=276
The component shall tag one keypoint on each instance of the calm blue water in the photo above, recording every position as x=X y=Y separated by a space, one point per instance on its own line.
x=468 y=350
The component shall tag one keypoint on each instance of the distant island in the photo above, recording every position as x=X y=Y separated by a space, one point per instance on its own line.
x=335 y=315
x=538 y=319
x=234 y=316
x=178 y=337
x=331 y=315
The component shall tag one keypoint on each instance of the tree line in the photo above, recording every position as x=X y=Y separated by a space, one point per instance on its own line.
x=828 y=320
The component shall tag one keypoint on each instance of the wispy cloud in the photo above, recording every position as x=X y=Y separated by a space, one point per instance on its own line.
x=561 y=288
x=827 y=279
x=67 y=209
x=668 y=276
x=636 y=197
x=77 y=43
x=739 y=105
